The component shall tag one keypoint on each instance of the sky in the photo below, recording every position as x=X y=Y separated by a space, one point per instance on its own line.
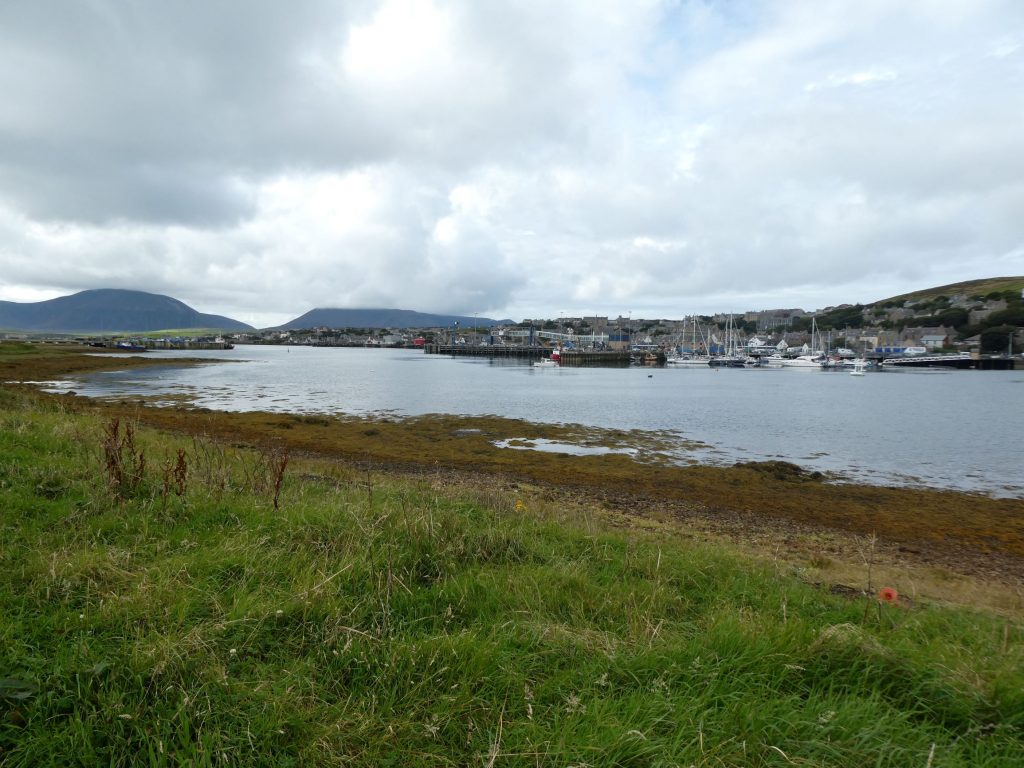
x=519 y=159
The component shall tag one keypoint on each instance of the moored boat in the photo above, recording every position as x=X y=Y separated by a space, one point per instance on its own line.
x=692 y=361
x=127 y=346
x=802 y=361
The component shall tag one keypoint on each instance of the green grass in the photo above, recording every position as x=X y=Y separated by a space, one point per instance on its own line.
x=17 y=349
x=970 y=287
x=374 y=621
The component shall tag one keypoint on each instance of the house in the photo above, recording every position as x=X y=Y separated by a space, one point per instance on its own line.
x=862 y=339
x=927 y=337
x=932 y=341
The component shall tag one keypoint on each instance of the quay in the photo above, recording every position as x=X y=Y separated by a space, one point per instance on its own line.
x=466 y=350
x=137 y=345
x=623 y=358
x=581 y=357
x=962 y=361
x=569 y=357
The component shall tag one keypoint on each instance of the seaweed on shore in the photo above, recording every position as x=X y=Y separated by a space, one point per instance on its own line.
x=967 y=532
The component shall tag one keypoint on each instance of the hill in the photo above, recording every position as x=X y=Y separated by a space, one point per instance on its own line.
x=383 y=318
x=109 y=311
x=981 y=287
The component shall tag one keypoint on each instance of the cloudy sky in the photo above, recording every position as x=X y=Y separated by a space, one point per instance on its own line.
x=524 y=158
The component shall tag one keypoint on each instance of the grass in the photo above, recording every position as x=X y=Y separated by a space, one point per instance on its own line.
x=970 y=287
x=376 y=620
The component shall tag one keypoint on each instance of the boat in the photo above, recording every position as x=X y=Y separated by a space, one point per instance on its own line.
x=858 y=367
x=809 y=359
x=803 y=361
x=732 y=357
x=646 y=358
x=692 y=359
x=547 y=362
x=728 y=361
x=683 y=360
x=127 y=346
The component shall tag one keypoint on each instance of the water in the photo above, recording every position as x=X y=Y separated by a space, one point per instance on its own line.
x=956 y=429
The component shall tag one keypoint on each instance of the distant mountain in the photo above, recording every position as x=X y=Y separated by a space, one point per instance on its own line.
x=383 y=318
x=110 y=311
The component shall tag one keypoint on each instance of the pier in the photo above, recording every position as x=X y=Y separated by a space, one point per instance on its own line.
x=581 y=357
x=466 y=350
x=569 y=357
x=961 y=361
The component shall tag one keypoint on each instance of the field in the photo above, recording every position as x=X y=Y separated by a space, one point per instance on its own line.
x=205 y=591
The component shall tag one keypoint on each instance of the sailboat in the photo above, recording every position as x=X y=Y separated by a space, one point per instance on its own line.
x=810 y=359
x=693 y=359
x=731 y=358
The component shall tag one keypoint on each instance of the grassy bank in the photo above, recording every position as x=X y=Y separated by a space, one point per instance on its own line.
x=218 y=605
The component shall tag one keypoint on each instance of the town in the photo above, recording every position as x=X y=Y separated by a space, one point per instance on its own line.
x=968 y=325
x=990 y=324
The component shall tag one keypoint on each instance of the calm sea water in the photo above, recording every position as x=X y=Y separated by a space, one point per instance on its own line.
x=956 y=429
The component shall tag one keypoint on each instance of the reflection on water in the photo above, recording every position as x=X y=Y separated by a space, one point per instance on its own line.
x=959 y=430
x=554 y=446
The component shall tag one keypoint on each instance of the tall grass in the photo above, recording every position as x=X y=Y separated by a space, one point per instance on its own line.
x=323 y=616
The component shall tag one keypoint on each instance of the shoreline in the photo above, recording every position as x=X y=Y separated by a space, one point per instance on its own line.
x=769 y=509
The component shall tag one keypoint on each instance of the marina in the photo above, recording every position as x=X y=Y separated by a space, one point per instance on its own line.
x=621 y=358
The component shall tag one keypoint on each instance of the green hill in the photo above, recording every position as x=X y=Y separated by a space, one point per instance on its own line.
x=969 y=287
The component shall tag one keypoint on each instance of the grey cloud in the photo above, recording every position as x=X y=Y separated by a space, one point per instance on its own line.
x=649 y=156
x=163 y=102
x=153 y=92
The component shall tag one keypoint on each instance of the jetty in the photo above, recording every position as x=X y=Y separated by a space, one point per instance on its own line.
x=569 y=357
x=962 y=361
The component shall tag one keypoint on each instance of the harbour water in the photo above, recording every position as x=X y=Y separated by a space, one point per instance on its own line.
x=957 y=429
